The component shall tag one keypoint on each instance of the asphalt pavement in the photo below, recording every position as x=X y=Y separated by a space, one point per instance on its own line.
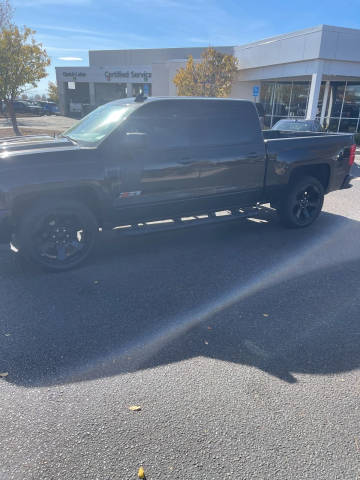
x=56 y=122
x=240 y=342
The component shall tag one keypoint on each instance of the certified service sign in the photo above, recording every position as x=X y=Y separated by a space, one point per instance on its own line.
x=128 y=75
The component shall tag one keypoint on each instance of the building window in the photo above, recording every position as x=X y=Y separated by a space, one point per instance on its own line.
x=107 y=92
x=77 y=98
x=342 y=111
x=284 y=99
x=290 y=99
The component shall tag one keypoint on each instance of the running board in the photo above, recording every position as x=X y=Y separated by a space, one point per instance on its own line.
x=186 y=222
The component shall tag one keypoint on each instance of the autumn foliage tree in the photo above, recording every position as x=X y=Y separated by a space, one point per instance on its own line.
x=53 y=94
x=6 y=13
x=23 y=63
x=211 y=77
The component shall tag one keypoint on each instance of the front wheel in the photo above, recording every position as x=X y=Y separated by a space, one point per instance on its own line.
x=302 y=203
x=57 y=235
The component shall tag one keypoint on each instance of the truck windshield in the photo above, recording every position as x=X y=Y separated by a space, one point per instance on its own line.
x=96 y=126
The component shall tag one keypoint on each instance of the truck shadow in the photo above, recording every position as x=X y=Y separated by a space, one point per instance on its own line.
x=285 y=302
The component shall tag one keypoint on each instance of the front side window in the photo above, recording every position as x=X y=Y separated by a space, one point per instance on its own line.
x=164 y=122
x=96 y=126
x=162 y=132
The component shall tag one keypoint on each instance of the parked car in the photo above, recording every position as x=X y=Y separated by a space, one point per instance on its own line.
x=298 y=125
x=138 y=160
x=22 y=106
x=50 y=108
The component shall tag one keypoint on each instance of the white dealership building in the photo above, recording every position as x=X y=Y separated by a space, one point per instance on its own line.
x=306 y=74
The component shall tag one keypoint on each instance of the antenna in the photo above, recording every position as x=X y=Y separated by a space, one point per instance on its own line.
x=140 y=98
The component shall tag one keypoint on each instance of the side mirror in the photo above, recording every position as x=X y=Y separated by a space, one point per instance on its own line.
x=136 y=139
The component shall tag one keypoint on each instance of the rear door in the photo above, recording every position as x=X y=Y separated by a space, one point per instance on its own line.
x=226 y=139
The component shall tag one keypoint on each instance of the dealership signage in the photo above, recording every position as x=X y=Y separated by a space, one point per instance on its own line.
x=74 y=74
x=136 y=74
x=128 y=75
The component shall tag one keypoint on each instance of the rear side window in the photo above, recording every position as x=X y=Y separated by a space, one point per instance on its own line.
x=221 y=130
x=225 y=126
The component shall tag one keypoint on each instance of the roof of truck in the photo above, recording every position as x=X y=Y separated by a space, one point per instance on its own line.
x=140 y=99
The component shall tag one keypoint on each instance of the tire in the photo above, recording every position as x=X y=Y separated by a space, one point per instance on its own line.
x=57 y=235
x=302 y=203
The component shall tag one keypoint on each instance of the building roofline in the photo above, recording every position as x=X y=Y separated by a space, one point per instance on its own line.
x=146 y=50
x=283 y=36
x=264 y=41
x=334 y=28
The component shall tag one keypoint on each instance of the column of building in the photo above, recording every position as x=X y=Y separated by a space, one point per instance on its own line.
x=316 y=78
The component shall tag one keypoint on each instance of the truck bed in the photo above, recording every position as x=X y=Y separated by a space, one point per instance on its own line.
x=287 y=151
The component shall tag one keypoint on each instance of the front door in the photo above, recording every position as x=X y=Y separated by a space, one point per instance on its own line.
x=160 y=180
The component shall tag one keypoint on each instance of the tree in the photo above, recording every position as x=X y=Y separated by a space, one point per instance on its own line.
x=24 y=96
x=211 y=77
x=6 y=13
x=23 y=62
x=43 y=97
x=53 y=94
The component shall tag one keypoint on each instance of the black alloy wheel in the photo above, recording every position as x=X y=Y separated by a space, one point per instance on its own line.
x=57 y=236
x=302 y=204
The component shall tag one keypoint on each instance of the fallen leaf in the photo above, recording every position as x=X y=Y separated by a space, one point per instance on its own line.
x=135 y=408
x=357 y=444
x=4 y=374
x=206 y=342
x=141 y=473
x=265 y=314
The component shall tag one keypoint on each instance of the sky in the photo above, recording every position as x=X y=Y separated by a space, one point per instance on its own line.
x=70 y=28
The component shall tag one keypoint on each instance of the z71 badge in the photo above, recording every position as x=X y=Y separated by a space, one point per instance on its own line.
x=130 y=194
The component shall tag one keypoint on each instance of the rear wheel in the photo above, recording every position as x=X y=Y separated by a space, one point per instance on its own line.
x=57 y=235
x=302 y=203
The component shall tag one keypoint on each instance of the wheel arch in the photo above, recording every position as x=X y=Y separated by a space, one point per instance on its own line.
x=320 y=171
x=85 y=195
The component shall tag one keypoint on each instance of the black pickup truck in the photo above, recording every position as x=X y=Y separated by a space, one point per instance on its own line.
x=148 y=159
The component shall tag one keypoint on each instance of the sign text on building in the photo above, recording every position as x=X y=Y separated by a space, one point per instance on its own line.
x=128 y=74
x=74 y=74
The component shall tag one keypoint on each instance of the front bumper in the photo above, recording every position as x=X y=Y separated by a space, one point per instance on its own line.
x=346 y=183
x=5 y=226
